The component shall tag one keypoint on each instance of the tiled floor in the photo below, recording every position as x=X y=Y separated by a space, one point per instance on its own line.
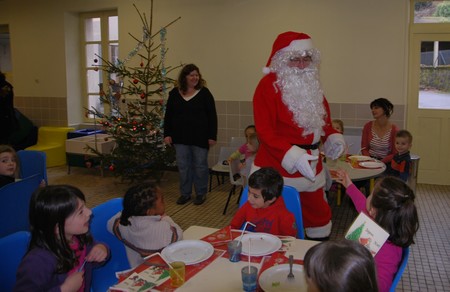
x=429 y=262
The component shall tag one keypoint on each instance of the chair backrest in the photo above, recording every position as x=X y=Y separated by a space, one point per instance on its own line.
x=104 y=277
x=401 y=269
x=32 y=162
x=224 y=153
x=237 y=142
x=15 y=203
x=291 y=199
x=234 y=171
x=12 y=249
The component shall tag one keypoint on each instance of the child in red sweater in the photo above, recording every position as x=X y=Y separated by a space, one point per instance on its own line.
x=265 y=206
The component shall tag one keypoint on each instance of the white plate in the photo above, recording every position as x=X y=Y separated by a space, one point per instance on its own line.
x=275 y=279
x=188 y=251
x=360 y=157
x=371 y=164
x=262 y=244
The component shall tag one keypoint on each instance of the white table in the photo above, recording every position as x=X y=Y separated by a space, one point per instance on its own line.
x=223 y=275
x=356 y=174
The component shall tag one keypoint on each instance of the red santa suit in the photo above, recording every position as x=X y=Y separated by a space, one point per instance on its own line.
x=283 y=142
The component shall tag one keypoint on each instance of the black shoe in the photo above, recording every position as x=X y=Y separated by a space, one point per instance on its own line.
x=199 y=200
x=183 y=200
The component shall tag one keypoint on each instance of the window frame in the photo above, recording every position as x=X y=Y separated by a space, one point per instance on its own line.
x=105 y=44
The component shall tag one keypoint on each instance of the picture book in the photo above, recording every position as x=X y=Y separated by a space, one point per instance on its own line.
x=368 y=233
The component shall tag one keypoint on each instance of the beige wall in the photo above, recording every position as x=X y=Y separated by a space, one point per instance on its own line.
x=363 y=46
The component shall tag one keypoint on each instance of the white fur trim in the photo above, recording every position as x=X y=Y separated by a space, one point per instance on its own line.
x=303 y=184
x=266 y=70
x=320 y=231
x=291 y=157
x=299 y=45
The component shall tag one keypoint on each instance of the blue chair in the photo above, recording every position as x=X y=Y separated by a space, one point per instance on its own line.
x=12 y=249
x=15 y=203
x=292 y=200
x=105 y=277
x=401 y=269
x=32 y=162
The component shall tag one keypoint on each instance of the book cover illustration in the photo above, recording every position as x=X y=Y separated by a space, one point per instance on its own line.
x=143 y=281
x=368 y=233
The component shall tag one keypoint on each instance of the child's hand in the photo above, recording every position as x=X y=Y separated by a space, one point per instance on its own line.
x=241 y=165
x=98 y=253
x=343 y=178
x=73 y=282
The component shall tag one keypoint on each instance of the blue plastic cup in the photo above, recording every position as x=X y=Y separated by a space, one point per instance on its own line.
x=249 y=275
x=234 y=250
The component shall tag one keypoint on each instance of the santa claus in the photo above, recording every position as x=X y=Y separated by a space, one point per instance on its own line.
x=292 y=117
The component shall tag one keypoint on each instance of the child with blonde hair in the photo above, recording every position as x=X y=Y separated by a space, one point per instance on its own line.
x=8 y=165
x=247 y=151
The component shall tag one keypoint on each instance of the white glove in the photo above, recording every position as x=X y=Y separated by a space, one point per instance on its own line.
x=334 y=146
x=302 y=165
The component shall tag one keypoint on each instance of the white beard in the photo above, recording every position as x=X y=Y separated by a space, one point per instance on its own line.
x=302 y=94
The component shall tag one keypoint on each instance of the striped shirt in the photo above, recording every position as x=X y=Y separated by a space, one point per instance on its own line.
x=380 y=147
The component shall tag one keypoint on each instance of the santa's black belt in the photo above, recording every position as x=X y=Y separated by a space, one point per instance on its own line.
x=309 y=147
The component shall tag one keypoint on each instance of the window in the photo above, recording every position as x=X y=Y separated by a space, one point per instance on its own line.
x=100 y=41
x=431 y=11
x=434 y=86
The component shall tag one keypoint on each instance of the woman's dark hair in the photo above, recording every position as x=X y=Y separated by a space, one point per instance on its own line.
x=341 y=266
x=269 y=181
x=385 y=104
x=49 y=208
x=182 y=83
x=137 y=200
x=393 y=200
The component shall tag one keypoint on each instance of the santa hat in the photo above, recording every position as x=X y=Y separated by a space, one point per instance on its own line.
x=289 y=41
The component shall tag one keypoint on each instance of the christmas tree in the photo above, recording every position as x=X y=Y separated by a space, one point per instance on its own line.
x=356 y=234
x=136 y=97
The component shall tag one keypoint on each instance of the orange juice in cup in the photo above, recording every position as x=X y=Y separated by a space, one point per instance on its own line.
x=354 y=161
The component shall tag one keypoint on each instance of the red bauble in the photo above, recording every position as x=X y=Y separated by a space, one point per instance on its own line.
x=135 y=81
x=111 y=167
x=142 y=64
x=142 y=95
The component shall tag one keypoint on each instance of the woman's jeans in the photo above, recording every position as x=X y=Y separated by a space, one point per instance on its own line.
x=192 y=162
